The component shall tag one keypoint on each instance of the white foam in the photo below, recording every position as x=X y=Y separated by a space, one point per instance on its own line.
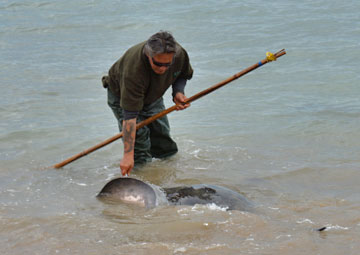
x=212 y=206
x=328 y=227
x=215 y=207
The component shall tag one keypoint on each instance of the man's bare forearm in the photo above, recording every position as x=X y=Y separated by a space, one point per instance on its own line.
x=129 y=133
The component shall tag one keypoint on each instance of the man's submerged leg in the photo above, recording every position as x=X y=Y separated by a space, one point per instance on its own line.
x=142 y=146
x=114 y=104
x=162 y=145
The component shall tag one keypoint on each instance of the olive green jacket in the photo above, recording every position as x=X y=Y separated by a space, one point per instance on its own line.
x=133 y=80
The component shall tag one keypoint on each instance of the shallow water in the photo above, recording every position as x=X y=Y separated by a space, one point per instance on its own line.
x=286 y=136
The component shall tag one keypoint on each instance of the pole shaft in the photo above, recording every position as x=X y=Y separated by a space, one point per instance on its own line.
x=170 y=109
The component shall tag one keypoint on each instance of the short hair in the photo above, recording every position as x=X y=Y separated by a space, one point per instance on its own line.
x=161 y=42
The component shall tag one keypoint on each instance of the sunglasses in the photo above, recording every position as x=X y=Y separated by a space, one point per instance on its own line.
x=162 y=64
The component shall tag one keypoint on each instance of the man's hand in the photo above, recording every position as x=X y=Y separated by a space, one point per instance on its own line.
x=179 y=100
x=126 y=164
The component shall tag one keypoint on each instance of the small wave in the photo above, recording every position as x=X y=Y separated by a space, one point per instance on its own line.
x=305 y=221
x=336 y=227
x=25 y=4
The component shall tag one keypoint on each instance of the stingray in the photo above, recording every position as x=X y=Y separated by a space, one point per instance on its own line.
x=130 y=190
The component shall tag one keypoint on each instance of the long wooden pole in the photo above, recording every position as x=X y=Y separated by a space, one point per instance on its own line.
x=170 y=109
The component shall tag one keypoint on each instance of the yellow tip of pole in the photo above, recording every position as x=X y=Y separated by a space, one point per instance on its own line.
x=270 y=56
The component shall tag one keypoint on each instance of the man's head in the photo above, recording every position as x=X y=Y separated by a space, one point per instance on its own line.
x=160 y=49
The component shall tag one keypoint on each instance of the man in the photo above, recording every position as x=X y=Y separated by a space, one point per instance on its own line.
x=136 y=84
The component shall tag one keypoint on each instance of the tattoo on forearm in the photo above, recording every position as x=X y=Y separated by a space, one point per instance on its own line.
x=129 y=136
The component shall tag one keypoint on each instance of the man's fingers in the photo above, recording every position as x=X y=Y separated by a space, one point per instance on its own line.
x=125 y=172
x=180 y=104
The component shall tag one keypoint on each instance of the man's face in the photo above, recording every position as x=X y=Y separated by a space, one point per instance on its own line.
x=161 y=62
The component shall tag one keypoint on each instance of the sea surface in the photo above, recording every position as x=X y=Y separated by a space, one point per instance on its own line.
x=286 y=135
